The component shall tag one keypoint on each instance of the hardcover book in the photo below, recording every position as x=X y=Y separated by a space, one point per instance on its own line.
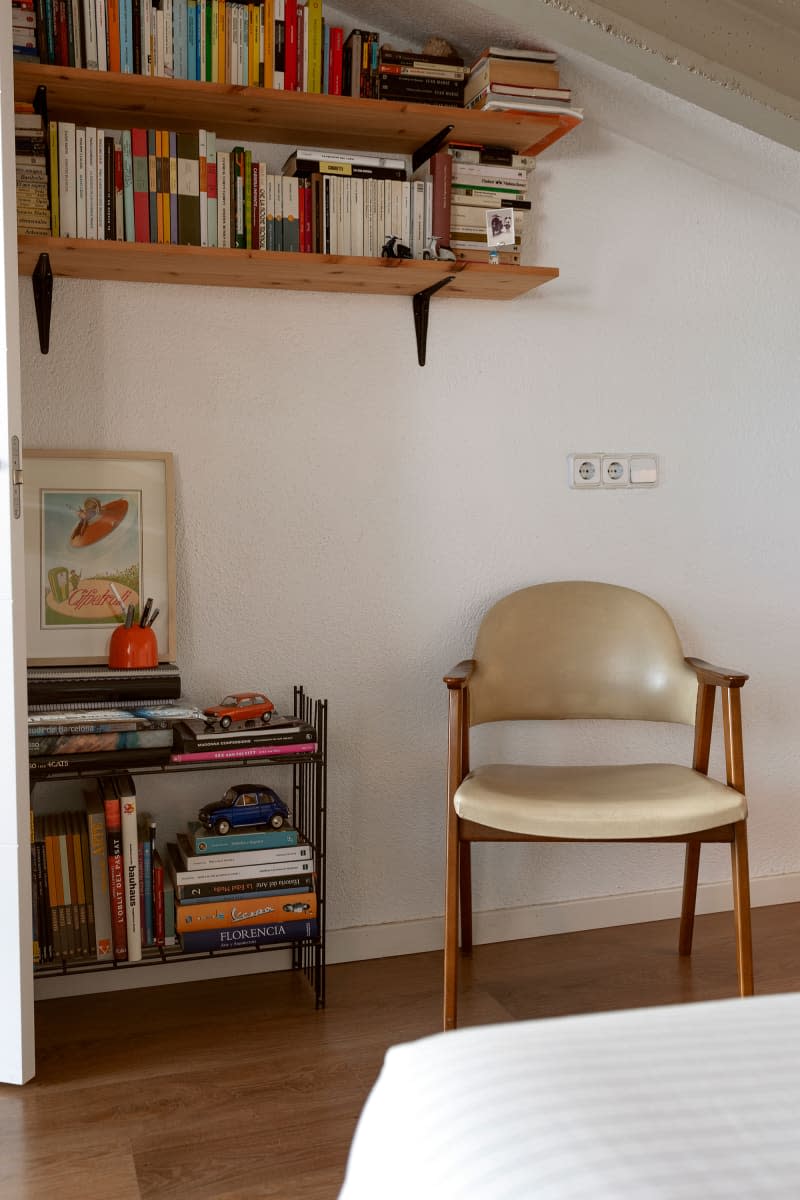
x=273 y=750
x=227 y=914
x=248 y=935
x=130 y=865
x=113 y=822
x=84 y=743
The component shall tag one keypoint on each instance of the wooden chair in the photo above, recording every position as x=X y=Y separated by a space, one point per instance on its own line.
x=591 y=650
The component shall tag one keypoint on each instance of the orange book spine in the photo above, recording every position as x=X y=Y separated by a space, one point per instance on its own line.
x=225 y=914
x=114 y=57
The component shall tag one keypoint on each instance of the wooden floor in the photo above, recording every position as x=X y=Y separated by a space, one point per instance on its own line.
x=239 y=1090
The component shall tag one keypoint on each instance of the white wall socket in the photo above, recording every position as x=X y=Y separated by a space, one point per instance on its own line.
x=595 y=470
x=615 y=471
x=584 y=470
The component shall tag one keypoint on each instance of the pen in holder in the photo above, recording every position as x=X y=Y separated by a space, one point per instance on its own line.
x=133 y=646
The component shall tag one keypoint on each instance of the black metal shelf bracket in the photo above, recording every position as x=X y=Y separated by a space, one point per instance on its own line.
x=429 y=148
x=40 y=103
x=42 y=279
x=422 y=302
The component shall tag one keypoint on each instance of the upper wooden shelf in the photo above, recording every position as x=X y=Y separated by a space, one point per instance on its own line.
x=77 y=258
x=113 y=101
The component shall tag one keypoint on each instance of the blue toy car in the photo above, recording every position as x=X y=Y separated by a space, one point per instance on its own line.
x=244 y=804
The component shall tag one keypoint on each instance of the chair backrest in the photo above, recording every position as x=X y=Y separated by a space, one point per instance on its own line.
x=580 y=649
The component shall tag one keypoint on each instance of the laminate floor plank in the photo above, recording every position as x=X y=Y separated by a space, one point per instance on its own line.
x=237 y=1089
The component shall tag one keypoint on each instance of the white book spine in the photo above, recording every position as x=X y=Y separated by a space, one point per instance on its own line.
x=397 y=210
x=102 y=35
x=405 y=213
x=158 y=40
x=77 y=11
x=380 y=214
x=80 y=181
x=169 y=39
x=357 y=217
x=100 y=142
x=90 y=34
x=130 y=871
x=418 y=217
x=369 y=218
x=91 y=183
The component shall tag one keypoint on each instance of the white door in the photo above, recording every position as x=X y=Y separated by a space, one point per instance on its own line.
x=16 y=974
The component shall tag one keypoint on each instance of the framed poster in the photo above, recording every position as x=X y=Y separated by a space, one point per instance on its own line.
x=99 y=536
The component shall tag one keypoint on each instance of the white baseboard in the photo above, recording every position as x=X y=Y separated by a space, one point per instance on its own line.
x=417 y=937
x=540 y=920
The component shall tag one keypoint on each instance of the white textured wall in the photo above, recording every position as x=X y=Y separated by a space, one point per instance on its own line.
x=345 y=517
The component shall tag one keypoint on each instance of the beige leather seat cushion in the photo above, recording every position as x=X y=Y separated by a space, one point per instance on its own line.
x=590 y=803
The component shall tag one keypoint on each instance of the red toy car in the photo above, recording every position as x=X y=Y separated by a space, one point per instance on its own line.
x=241 y=706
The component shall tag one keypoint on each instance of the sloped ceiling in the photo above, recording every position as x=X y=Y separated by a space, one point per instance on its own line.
x=736 y=58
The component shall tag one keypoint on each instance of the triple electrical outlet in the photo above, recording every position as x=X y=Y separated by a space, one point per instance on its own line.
x=612 y=470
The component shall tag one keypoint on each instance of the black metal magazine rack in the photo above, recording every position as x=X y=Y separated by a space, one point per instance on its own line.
x=309 y=805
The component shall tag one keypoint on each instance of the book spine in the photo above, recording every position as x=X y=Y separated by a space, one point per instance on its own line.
x=252 y=935
x=97 y=843
x=130 y=862
x=211 y=186
x=158 y=900
x=227 y=914
x=146 y=880
x=109 y=192
x=67 y=201
x=113 y=823
x=241 y=858
x=85 y=743
x=246 y=752
x=192 y=893
x=211 y=843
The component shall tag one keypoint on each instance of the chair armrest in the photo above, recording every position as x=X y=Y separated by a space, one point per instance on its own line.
x=719 y=676
x=459 y=677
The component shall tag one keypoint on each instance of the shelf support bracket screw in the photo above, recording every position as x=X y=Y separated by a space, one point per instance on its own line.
x=422 y=302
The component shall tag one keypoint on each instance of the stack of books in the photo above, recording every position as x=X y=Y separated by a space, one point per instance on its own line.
x=24 y=31
x=284 y=737
x=421 y=78
x=478 y=190
x=247 y=888
x=82 y=718
x=33 y=201
x=516 y=79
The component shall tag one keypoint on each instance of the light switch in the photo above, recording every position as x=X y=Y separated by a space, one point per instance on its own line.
x=644 y=470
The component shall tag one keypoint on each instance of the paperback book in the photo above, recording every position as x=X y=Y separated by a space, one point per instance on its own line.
x=254 y=837
x=247 y=876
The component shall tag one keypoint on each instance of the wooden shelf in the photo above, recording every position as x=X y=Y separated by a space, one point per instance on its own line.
x=113 y=101
x=76 y=258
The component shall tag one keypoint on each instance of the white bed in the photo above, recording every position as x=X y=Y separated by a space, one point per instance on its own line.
x=697 y=1101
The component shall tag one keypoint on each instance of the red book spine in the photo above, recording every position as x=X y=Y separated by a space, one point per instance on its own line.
x=118 y=187
x=116 y=894
x=141 y=185
x=290 y=41
x=301 y=49
x=442 y=179
x=335 y=63
x=159 y=927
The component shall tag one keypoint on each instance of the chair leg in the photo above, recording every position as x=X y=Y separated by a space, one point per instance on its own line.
x=690 y=872
x=741 y=908
x=451 y=924
x=465 y=884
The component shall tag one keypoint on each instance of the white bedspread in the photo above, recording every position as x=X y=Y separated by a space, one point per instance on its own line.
x=697 y=1101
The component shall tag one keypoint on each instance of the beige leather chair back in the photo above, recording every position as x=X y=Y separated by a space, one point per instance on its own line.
x=576 y=649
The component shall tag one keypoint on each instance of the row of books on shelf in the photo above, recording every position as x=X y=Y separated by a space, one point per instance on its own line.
x=278 y=44
x=179 y=188
x=103 y=891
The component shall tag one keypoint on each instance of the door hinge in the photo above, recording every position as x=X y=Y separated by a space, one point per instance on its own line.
x=16 y=477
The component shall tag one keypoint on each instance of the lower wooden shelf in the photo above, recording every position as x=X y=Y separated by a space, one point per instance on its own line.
x=141 y=262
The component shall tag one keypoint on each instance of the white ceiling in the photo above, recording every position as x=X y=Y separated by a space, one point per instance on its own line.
x=737 y=58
